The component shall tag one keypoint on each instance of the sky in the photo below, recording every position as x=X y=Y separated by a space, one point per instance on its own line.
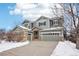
x=8 y=21
x=12 y=14
x=68 y=20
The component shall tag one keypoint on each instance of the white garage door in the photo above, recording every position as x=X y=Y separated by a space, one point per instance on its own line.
x=51 y=36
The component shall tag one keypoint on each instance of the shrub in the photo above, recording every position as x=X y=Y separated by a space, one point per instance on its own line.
x=14 y=36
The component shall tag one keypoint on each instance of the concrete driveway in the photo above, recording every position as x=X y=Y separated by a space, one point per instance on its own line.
x=36 y=48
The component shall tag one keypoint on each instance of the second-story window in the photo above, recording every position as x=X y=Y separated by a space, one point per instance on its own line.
x=26 y=25
x=32 y=25
x=55 y=22
x=51 y=23
x=42 y=23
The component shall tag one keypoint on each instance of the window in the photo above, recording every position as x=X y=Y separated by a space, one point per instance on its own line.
x=26 y=25
x=42 y=23
x=51 y=23
x=55 y=34
x=55 y=22
x=35 y=32
x=39 y=24
x=32 y=25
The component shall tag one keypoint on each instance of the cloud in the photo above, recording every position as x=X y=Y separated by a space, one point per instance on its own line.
x=25 y=6
x=16 y=11
x=32 y=11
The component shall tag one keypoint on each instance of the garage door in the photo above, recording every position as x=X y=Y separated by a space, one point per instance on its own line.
x=51 y=36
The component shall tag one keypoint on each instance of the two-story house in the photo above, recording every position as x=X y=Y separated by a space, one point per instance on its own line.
x=45 y=28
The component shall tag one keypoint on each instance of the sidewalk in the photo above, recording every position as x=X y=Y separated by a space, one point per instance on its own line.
x=36 y=48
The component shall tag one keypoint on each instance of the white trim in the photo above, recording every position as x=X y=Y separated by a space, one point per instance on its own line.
x=54 y=28
x=24 y=28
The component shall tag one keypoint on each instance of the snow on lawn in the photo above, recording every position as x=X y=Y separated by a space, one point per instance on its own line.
x=9 y=45
x=65 y=48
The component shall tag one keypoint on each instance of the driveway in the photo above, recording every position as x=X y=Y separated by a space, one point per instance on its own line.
x=35 y=48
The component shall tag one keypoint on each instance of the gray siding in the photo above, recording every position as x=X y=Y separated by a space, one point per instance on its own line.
x=57 y=22
x=36 y=24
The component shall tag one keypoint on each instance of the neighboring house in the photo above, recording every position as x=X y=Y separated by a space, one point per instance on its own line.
x=21 y=29
x=45 y=28
x=26 y=24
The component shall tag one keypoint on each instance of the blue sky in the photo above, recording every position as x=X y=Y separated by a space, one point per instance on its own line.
x=12 y=14
x=8 y=21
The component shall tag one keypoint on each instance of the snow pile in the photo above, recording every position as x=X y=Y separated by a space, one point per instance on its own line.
x=9 y=45
x=25 y=28
x=65 y=48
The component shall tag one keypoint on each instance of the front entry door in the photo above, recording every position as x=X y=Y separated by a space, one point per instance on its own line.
x=36 y=35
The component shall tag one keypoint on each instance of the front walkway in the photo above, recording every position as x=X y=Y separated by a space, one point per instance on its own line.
x=36 y=48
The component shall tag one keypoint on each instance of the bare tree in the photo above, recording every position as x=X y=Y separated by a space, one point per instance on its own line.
x=71 y=19
x=74 y=21
x=70 y=12
x=2 y=34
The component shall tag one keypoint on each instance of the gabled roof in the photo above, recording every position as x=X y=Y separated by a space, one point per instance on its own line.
x=42 y=17
x=57 y=18
x=47 y=18
x=25 y=21
x=14 y=28
x=21 y=27
x=36 y=27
